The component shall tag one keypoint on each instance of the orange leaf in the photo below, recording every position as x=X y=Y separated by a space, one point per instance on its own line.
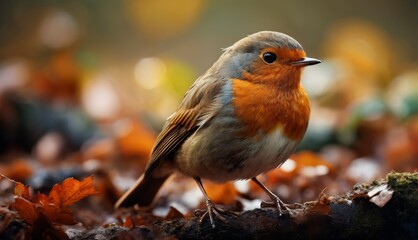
x=57 y=215
x=22 y=191
x=42 y=199
x=321 y=206
x=128 y=223
x=54 y=213
x=71 y=191
x=134 y=138
x=18 y=170
x=25 y=209
x=221 y=193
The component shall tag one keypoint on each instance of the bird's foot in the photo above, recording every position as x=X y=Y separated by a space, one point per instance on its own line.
x=213 y=212
x=278 y=204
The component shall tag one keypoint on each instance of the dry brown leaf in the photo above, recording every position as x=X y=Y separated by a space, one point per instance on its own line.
x=62 y=215
x=71 y=191
x=26 y=209
x=321 y=206
x=22 y=190
x=55 y=207
x=173 y=213
x=128 y=223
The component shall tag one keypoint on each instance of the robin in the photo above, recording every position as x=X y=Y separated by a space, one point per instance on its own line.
x=243 y=117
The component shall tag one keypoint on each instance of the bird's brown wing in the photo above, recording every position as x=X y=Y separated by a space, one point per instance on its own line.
x=178 y=127
x=197 y=107
x=174 y=132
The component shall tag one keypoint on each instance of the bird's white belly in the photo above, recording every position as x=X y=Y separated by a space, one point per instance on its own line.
x=268 y=154
x=221 y=157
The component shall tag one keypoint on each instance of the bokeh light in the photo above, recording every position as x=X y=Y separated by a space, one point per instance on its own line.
x=13 y=74
x=150 y=72
x=58 y=30
x=403 y=97
x=162 y=19
x=100 y=99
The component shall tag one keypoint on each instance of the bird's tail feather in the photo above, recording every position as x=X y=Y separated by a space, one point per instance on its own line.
x=142 y=192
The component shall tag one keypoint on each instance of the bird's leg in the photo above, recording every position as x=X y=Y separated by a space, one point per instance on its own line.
x=212 y=211
x=276 y=202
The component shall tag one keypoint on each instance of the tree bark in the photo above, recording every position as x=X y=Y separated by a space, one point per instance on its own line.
x=351 y=216
x=354 y=215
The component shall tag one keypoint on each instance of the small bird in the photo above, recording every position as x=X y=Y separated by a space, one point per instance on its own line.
x=242 y=118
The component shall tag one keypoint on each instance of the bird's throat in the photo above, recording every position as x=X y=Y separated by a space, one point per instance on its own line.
x=263 y=108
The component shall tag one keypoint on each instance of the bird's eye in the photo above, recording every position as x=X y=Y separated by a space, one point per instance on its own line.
x=269 y=57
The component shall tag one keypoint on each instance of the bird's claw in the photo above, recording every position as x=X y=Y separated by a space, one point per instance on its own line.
x=278 y=204
x=213 y=212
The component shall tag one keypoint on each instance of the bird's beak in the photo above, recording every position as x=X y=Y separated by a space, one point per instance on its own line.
x=307 y=61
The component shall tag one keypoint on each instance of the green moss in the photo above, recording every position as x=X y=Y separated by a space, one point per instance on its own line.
x=403 y=181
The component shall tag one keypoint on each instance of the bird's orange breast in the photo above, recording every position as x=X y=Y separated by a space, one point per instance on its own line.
x=261 y=107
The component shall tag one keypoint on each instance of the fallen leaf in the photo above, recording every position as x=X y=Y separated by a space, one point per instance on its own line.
x=139 y=220
x=26 y=210
x=62 y=215
x=55 y=213
x=133 y=138
x=128 y=223
x=55 y=207
x=382 y=198
x=41 y=199
x=18 y=170
x=22 y=190
x=321 y=206
x=71 y=191
x=173 y=213
x=376 y=190
x=221 y=193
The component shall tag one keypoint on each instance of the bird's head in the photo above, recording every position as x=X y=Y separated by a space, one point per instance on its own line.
x=265 y=58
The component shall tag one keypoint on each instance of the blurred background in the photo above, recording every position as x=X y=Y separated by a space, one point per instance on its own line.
x=85 y=86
